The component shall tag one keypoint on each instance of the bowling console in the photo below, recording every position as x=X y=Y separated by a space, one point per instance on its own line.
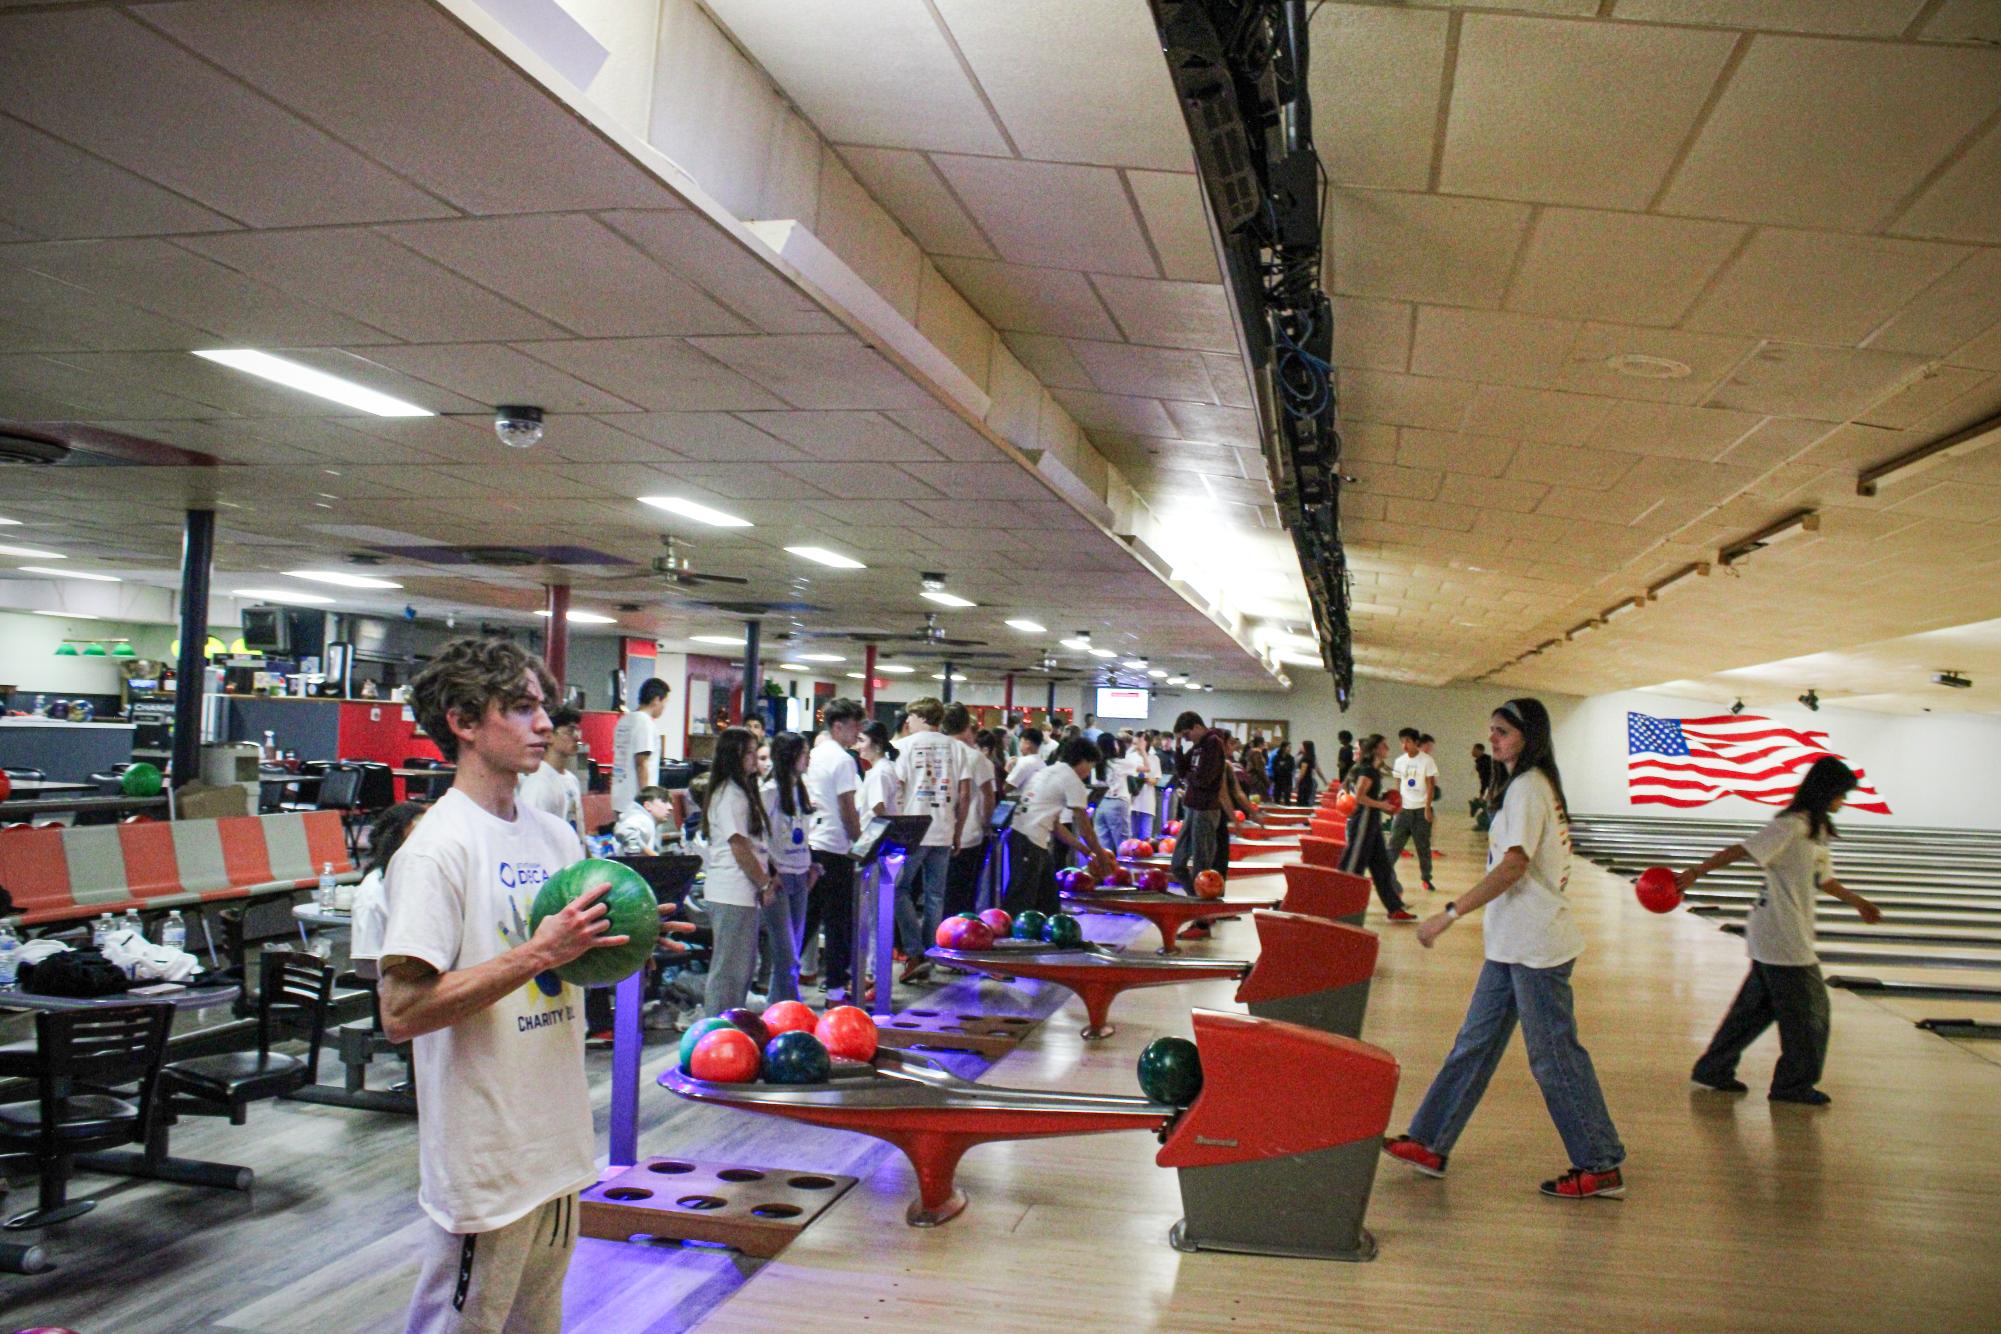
x=1276 y=1155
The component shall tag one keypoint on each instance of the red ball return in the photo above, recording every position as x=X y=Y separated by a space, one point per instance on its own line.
x=1169 y=912
x=1267 y=1166
x=1321 y=891
x=1322 y=851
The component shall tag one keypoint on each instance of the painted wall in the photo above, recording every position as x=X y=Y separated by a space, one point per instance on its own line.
x=28 y=660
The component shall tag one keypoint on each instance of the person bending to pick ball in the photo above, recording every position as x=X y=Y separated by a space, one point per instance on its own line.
x=1785 y=983
x=505 y=1141
x=1531 y=945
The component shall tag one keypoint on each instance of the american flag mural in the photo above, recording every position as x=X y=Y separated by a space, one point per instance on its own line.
x=1693 y=761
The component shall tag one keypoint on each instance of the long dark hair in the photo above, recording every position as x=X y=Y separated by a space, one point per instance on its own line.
x=736 y=753
x=389 y=831
x=786 y=748
x=875 y=731
x=1307 y=758
x=1111 y=750
x=1531 y=719
x=1825 y=783
x=1365 y=758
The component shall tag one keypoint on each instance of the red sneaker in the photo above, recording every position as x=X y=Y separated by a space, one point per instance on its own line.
x=1578 y=1184
x=1403 y=916
x=1421 y=1160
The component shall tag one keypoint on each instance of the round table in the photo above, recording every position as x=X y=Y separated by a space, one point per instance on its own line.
x=313 y=915
x=188 y=998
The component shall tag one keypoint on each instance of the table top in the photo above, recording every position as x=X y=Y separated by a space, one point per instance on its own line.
x=314 y=915
x=286 y=780
x=425 y=773
x=188 y=998
x=21 y=810
x=38 y=785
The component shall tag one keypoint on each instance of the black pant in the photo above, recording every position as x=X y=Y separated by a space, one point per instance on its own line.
x=831 y=904
x=1796 y=998
x=1031 y=881
x=1366 y=855
x=962 y=879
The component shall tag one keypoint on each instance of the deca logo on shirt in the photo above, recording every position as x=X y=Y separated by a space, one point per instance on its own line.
x=524 y=876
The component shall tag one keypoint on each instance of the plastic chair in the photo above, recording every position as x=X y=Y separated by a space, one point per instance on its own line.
x=80 y=1057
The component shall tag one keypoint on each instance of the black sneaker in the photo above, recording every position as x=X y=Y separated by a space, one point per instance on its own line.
x=1805 y=1097
x=1720 y=1085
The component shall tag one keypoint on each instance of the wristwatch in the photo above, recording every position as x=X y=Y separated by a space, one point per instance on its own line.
x=1452 y=911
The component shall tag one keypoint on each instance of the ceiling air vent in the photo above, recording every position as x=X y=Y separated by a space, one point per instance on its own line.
x=18 y=446
x=512 y=558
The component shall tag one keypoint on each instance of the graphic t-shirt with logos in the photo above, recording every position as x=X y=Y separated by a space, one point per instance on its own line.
x=507 y=1118
x=787 y=838
x=928 y=770
x=1530 y=923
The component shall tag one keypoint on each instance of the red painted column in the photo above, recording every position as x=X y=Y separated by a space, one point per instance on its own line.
x=1007 y=699
x=868 y=678
x=558 y=638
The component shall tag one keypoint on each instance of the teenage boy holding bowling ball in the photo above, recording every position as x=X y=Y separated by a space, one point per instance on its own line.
x=505 y=1142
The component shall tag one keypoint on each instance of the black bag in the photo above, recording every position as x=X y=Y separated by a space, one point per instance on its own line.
x=81 y=974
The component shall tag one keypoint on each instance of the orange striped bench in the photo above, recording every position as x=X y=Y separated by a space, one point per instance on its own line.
x=70 y=874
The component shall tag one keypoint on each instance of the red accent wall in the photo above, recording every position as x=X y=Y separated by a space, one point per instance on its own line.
x=387 y=738
x=598 y=725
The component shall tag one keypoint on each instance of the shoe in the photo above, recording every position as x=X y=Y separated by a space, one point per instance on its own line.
x=1403 y=916
x=600 y=1039
x=808 y=979
x=1578 y=1184
x=1430 y=888
x=901 y=957
x=917 y=968
x=1721 y=1085
x=662 y=1019
x=1805 y=1097
x=1420 y=1159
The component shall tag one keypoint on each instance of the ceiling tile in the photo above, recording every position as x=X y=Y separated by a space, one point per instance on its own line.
x=839 y=436
x=1795 y=380
x=1950 y=312
x=1169 y=314
x=1403 y=400
x=1233 y=389
x=1376 y=73
x=1115 y=412
x=1470 y=493
x=1052 y=214
x=1074 y=83
x=259 y=165
x=1554 y=465
x=906 y=184
x=1415 y=247
x=1456 y=455
x=54 y=190
x=1630 y=268
x=702 y=253
x=1816 y=132
x=1964 y=204
x=495 y=373
x=1672 y=430
x=44 y=315
x=716 y=437
x=1051 y=360
x=1574 y=113
x=573 y=270
x=1227 y=426
x=1536 y=414
x=1819 y=287
x=1591 y=370
x=1170 y=204
x=1954 y=389
x=818 y=370
x=1857 y=18
x=660 y=374
x=1372 y=334
x=1152 y=372
x=1491 y=345
x=1015 y=297
x=867 y=71
x=1964 y=21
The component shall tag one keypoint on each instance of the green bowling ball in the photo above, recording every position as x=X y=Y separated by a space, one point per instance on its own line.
x=141 y=780
x=1170 y=1071
x=1028 y=925
x=634 y=912
x=698 y=1030
x=1063 y=931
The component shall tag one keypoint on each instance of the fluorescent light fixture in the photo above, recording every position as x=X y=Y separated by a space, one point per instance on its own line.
x=1956 y=445
x=283 y=595
x=821 y=657
x=944 y=599
x=1685 y=577
x=6 y=522
x=956 y=676
x=894 y=668
x=822 y=556
x=1805 y=521
x=1079 y=644
x=67 y=615
x=309 y=381
x=1137 y=664
x=1158 y=674
x=793 y=667
x=72 y=574
x=31 y=553
x=1103 y=653
x=574 y=617
x=1177 y=680
x=856 y=676
x=734 y=641
x=1618 y=609
x=340 y=579
x=689 y=509
x=1026 y=626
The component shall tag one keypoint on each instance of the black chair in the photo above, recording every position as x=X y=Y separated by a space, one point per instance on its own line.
x=80 y=1057
x=24 y=771
x=378 y=786
x=431 y=786
x=295 y=987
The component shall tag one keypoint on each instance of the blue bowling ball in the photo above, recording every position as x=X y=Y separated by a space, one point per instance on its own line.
x=796 y=1058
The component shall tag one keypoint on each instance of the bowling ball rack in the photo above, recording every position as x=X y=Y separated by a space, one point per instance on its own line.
x=1096 y=973
x=1168 y=912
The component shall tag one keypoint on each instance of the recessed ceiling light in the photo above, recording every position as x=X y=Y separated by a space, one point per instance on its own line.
x=31 y=553
x=894 y=668
x=793 y=667
x=1158 y=674
x=67 y=615
x=1103 y=653
x=855 y=676
x=1076 y=643
x=1177 y=680
x=821 y=657
x=1137 y=664
x=283 y=595
x=822 y=556
x=583 y=617
x=309 y=381
x=72 y=574
x=1642 y=367
x=734 y=641
x=956 y=676
x=340 y=579
x=945 y=599
x=689 y=509
x=1027 y=626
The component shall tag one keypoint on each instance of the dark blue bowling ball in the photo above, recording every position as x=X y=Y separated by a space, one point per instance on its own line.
x=796 y=1058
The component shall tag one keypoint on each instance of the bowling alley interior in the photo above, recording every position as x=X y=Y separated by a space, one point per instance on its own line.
x=999 y=665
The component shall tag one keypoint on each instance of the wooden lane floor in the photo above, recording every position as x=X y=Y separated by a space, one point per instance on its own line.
x=1868 y=1215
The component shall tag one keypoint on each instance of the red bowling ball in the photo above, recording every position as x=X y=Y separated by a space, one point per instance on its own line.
x=848 y=1033
x=1658 y=889
x=974 y=934
x=999 y=922
x=789 y=1017
x=1209 y=885
x=1153 y=880
x=726 y=1056
x=1120 y=877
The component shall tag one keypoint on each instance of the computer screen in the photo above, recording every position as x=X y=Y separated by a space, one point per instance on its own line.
x=1115 y=702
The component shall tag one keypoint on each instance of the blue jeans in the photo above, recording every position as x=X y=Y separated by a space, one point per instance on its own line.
x=1114 y=822
x=929 y=864
x=1540 y=999
x=784 y=919
x=1142 y=824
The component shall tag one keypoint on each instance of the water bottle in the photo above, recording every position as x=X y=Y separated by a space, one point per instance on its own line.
x=100 y=931
x=10 y=958
x=41 y=706
x=325 y=896
x=133 y=924
x=271 y=747
x=174 y=931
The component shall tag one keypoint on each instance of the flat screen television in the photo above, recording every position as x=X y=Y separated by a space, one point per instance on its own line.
x=266 y=630
x=1118 y=702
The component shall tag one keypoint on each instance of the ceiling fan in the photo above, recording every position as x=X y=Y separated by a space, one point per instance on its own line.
x=933 y=634
x=674 y=565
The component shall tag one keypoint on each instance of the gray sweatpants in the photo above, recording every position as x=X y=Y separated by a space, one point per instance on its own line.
x=508 y=1281
x=1411 y=826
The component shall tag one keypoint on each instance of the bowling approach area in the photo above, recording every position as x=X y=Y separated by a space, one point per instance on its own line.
x=1865 y=1211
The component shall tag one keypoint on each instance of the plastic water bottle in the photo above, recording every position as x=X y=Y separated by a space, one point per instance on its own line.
x=174 y=931
x=325 y=896
x=100 y=931
x=133 y=924
x=10 y=958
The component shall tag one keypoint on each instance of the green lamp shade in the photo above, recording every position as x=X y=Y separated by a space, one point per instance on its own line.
x=124 y=651
x=94 y=651
x=66 y=651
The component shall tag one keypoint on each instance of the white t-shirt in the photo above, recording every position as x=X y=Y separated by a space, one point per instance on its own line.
x=1411 y=772
x=507 y=1116
x=978 y=771
x=787 y=839
x=1147 y=800
x=1117 y=789
x=1049 y=749
x=1054 y=792
x=555 y=791
x=1530 y=923
x=371 y=918
x=830 y=772
x=637 y=833
x=880 y=786
x=928 y=768
x=723 y=880
x=1780 y=927
x=1024 y=768
x=636 y=734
